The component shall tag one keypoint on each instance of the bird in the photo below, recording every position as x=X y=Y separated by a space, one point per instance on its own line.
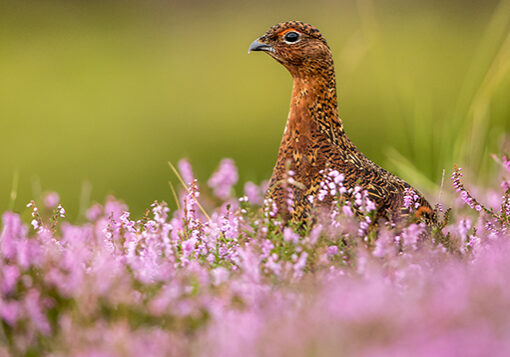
x=314 y=141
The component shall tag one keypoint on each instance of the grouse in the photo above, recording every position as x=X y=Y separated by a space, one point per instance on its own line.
x=314 y=141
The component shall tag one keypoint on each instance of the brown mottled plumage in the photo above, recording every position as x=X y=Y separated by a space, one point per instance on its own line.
x=314 y=138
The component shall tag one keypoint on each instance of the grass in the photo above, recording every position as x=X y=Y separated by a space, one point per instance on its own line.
x=109 y=93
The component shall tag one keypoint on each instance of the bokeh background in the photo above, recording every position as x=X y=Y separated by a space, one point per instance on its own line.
x=97 y=96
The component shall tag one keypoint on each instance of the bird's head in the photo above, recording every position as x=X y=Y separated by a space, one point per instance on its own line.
x=298 y=46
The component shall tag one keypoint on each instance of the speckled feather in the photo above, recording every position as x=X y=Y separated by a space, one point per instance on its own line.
x=314 y=138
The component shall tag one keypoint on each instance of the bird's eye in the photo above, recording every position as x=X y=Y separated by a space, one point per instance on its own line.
x=291 y=37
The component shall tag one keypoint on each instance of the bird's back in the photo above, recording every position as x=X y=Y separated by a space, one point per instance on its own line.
x=309 y=155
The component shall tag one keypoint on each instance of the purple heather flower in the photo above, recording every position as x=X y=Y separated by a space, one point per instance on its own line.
x=464 y=194
x=35 y=310
x=10 y=311
x=223 y=179
x=10 y=275
x=267 y=246
x=363 y=226
x=370 y=205
x=219 y=275
x=506 y=163
x=270 y=208
x=61 y=211
x=114 y=208
x=332 y=250
x=315 y=233
x=35 y=224
x=338 y=178
x=332 y=184
x=411 y=199
x=383 y=244
x=290 y=199
x=322 y=194
x=411 y=235
x=290 y=236
x=463 y=227
x=215 y=280
x=347 y=210
x=51 y=200
x=12 y=232
x=188 y=247
x=160 y=304
x=249 y=262
x=29 y=251
x=186 y=171
x=160 y=211
x=253 y=192
x=505 y=206
x=300 y=265
x=94 y=212
x=274 y=265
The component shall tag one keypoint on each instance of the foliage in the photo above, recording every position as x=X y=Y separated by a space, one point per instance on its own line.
x=237 y=281
x=421 y=85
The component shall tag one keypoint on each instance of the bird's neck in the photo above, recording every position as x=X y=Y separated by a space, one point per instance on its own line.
x=314 y=104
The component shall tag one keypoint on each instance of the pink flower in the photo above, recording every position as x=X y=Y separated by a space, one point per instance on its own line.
x=51 y=200
x=114 y=208
x=370 y=205
x=253 y=192
x=347 y=211
x=186 y=171
x=160 y=211
x=12 y=232
x=94 y=212
x=35 y=310
x=188 y=246
x=315 y=233
x=219 y=275
x=299 y=266
x=223 y=179
x=290 y=236
x=61 y=211
x=10 y=275
x=506 y=163
x=10 y=311
x=332 y=250
x=411 y=235
x=249 y=263
x=411 y=199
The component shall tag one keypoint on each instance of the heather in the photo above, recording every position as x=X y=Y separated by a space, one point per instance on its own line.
x=222 y=275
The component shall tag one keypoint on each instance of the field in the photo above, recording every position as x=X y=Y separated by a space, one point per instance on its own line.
x=422 y=86
x=107 y=249
x=236 y=281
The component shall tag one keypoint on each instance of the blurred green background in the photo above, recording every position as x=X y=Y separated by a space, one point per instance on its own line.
x=106 y=92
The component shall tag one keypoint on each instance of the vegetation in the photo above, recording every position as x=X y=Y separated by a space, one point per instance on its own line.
x=81 y=80
x=237 y=281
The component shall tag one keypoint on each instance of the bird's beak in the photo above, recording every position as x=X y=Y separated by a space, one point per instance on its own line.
x=259 y=46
